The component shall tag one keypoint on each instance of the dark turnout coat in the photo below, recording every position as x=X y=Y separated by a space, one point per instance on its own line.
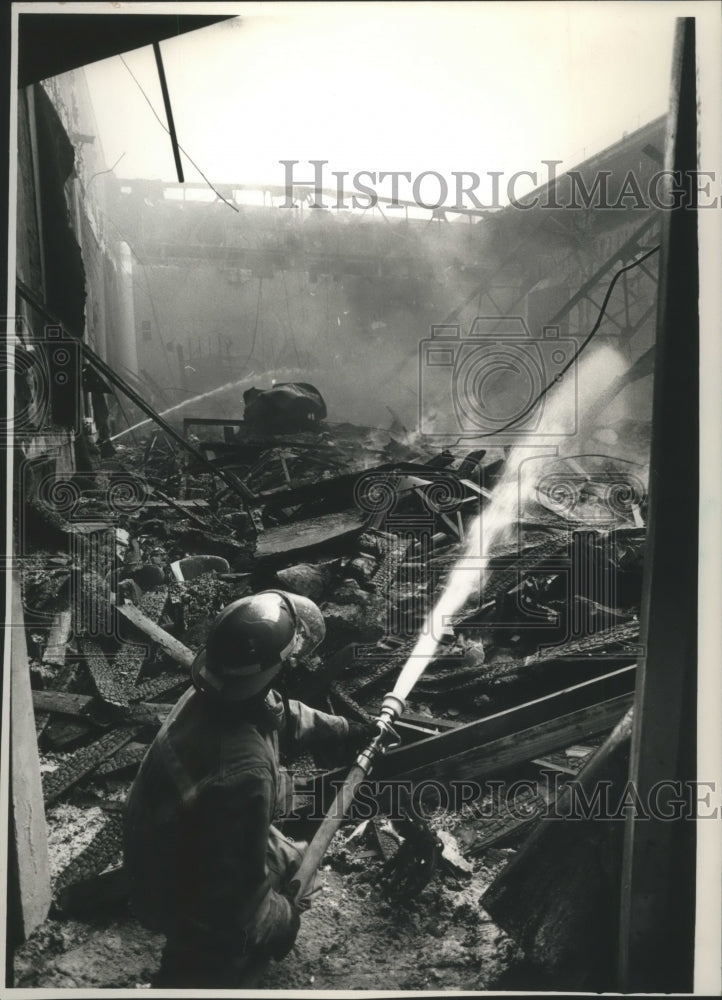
x=203 y=858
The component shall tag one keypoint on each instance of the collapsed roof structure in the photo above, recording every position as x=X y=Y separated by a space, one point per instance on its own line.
x=144 y=503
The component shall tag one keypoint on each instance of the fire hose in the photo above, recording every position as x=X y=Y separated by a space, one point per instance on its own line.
x=385 y=739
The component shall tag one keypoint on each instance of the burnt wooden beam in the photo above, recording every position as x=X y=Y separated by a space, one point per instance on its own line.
x=79 y=706
x=60 y=682
x=106 y=680
x=509 y=824
x=315 y=533
x=656 y=941
x=145 y=713
x=104 y=849
x=83 y=762
x=508 y=722
x=508 y=752
x=129 y=659
x=558 y=897
x=156 y=686
x=57 y=645
x=413 y=730
x=430 y=721
x=126 y=759
x=618 y=640
x=27 y=860
x=426 y=753
x=171 y=646
x=181 y=505
x=88 y=708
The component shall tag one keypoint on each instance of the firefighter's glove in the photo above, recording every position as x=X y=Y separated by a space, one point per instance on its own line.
x=290 y=889
x=360 y=733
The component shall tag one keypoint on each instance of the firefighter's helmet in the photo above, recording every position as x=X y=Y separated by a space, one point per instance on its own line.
x=251 y=639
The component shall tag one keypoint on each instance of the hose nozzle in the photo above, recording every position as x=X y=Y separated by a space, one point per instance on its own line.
x=391 y=708
x=387 y=737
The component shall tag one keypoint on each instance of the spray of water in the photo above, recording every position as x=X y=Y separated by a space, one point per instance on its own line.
x=180 y=406
x=562 y=411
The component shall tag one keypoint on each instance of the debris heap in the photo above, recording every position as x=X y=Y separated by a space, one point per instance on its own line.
x=121 y=585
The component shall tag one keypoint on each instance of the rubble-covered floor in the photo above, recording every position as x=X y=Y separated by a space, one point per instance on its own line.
x=353 y=938
x=353 y=518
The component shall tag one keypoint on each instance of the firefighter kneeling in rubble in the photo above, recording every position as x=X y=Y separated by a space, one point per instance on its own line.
x=206 y=867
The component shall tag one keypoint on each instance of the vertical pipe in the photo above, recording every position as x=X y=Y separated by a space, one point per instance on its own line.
x=126 y=350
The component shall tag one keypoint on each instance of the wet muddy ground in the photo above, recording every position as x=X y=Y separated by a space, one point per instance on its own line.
x=353 y=937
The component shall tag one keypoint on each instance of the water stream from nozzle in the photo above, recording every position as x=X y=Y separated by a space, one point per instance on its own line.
x=562 y=414
x=180 y=406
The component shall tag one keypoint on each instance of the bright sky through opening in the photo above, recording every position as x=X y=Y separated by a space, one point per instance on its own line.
x=413 y=87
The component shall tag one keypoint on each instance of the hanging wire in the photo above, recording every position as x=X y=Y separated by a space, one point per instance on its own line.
x=602 y=311
x=108 y=170
x=165 y=129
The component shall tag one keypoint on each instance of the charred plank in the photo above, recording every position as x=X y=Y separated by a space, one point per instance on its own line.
x=171 y=646
x=304 y=536
x=83 y=762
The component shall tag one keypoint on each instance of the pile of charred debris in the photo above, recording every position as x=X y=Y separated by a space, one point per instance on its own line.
x=126 y=567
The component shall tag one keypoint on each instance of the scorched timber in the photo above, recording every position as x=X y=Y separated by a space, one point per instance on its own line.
x=88 y=708
x=183 y=505
x=127 y=759
x=614 y=641
x=427 y=753
x=156 y=686
x=58 y=639
x=129 y=659
x=510 y=823
x=509 y=722
x=83 y=762
x=104 y=849
x=304 y=536
x=173 y=647
x=559 y=897
x=510 y=751
x=79 y=706
x=509 y=572
x=105 y=679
